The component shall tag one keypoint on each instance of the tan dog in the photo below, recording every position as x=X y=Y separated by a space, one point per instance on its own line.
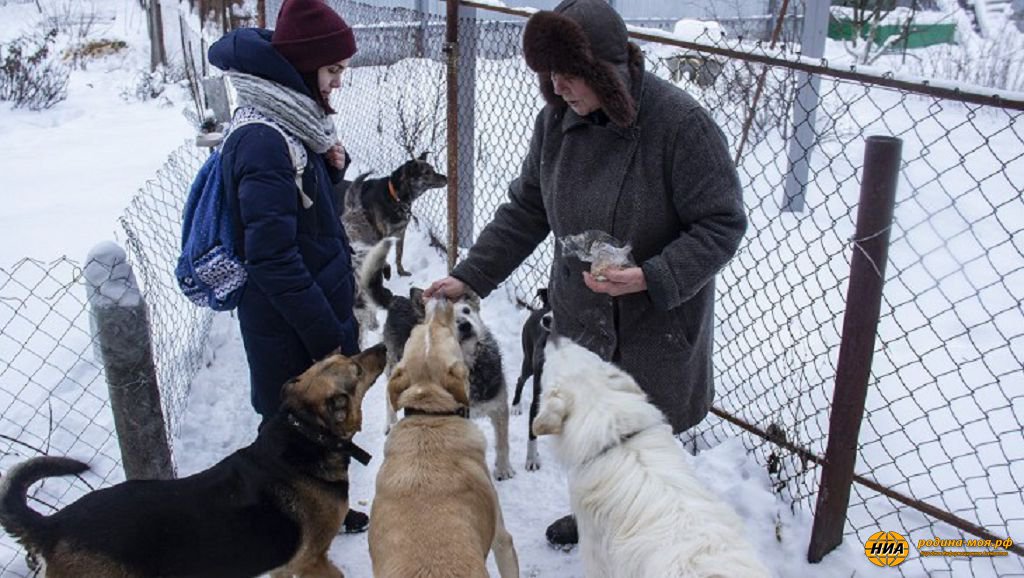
x=436 y=511
x=274 y=506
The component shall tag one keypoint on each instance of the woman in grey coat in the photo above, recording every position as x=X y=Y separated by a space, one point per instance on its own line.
x=619 y=150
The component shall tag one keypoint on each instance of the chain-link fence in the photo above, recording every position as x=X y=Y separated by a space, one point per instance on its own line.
x=52 y=382
x=51 y=386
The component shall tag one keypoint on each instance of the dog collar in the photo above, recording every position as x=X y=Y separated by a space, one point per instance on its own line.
x=622 y=439
x=392 y=192
x=461 y=412
x=331 y=442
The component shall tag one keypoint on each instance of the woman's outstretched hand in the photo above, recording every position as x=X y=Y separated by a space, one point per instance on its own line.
x=449 y=287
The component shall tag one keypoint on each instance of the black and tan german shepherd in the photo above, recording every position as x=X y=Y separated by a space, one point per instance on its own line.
x=274 y=506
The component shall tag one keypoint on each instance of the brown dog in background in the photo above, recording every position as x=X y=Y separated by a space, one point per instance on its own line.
x=274 y=506
x=436 y=512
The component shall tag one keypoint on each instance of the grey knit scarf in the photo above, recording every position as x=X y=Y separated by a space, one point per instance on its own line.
x=297 y=113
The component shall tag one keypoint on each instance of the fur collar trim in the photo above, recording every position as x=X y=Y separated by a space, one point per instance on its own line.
x=553 y=42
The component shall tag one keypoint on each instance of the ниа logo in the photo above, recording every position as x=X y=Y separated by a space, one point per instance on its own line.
x=886 y=549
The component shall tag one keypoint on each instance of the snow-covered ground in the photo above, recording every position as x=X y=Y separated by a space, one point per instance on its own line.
x=69 y=172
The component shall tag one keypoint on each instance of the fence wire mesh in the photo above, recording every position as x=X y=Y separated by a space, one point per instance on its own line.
x=51 y=374
x=152 y=228
x=51 y=387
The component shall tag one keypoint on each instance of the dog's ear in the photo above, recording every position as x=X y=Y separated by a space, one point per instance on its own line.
x=370 y=364
x=456 y=382
x=472 y=298
x=423 y=156
x=543 y=294
x=553 y=410
x=397 y=384
x=416 y=295
x=288 y=390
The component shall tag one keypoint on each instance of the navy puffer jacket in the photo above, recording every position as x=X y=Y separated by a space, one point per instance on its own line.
x=297 y=305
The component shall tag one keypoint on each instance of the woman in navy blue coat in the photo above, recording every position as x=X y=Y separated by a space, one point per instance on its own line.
x=297 y=304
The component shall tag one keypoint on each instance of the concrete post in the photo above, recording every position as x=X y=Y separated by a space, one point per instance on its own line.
x=120 y=324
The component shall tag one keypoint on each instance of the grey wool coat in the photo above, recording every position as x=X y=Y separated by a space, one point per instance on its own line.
x=667 y=185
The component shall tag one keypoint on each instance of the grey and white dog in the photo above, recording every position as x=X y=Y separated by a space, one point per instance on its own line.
x=488 y=392
x=374 y=210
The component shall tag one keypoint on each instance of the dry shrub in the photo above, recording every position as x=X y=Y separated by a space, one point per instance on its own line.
x=30 y=76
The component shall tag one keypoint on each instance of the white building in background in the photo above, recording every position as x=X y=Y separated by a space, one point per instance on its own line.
x=635 y=9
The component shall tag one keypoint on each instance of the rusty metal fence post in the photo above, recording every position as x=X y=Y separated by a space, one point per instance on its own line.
x=870 y=244
x=451 y=51
x=460 y=49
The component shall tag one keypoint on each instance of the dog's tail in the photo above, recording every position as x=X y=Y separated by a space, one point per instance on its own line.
x=16 y=517
x=371 y=274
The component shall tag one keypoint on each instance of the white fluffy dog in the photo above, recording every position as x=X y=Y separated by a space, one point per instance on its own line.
x=640 y=511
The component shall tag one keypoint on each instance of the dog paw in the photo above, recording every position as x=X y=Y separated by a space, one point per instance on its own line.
x=403 y=273
x=532 y=465
x=516 y=409
x=502 y=473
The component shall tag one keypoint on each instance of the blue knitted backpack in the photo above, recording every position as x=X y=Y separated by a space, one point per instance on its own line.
x=209 y=270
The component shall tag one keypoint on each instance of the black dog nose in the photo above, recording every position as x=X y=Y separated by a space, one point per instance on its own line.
x=465 y=328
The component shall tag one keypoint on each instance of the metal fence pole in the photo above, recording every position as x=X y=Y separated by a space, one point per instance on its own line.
x=121 y=330
x=468 y=37
x=451 y=50
x=422 y=32
x=812 y=44
x=860 y=324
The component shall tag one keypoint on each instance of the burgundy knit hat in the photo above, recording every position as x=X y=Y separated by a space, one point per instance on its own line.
x=310 y=34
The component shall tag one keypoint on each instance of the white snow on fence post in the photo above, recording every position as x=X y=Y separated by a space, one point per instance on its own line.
x=110 y=279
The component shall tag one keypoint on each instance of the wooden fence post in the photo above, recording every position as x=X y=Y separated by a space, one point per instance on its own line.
x=460 y=48
x=155 y=26
x=451 y=51
x=120 y=325
x=860 y=325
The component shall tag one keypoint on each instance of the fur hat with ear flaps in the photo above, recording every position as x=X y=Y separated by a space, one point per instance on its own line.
x=588 y=39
